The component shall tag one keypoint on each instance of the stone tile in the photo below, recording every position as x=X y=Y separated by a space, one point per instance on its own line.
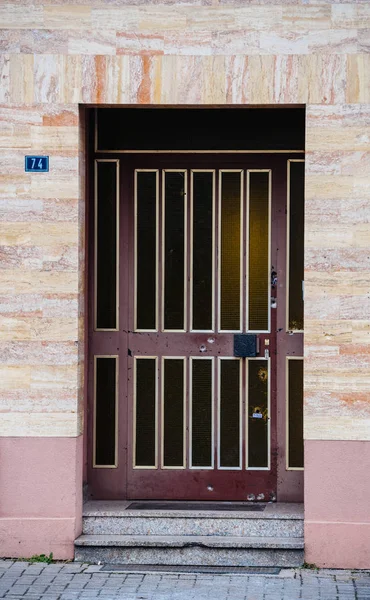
x=67 y=17
x=21 y=17
x=92 y=42
x=358 y=84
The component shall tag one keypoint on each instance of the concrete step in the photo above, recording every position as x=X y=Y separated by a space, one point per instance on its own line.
x=208 y=550
x=115 y=518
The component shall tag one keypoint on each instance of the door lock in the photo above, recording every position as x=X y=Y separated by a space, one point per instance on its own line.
x=245 y=345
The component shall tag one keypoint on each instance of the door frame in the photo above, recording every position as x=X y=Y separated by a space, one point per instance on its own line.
x=106 y=488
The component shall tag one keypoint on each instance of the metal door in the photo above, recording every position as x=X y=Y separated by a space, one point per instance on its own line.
x=200 y=267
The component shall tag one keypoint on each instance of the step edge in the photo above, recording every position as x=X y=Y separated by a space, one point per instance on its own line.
x=106 y=541
x=174 y=514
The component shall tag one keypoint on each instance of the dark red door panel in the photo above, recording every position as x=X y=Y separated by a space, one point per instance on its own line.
x=201 y=258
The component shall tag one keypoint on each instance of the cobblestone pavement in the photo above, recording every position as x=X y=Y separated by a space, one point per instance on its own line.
x=76 y=581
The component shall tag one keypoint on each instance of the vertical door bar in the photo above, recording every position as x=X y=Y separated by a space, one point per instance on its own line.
x=201 y=442
x=105 y=418
x=202 y=254
x=230 y=250
x=294 y=412
x=258 y=414
x=173 y=412
x=174 y=248
x=145 y=437
x=229 y=414
x=146 y=250
x=106 y=234
x=258 y=249
x=295 y=245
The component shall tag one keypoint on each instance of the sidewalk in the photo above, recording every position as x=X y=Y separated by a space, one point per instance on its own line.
x=75 y=581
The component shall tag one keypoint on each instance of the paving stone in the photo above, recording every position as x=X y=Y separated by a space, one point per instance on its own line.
x=93 y=569
x=81 y=582
x=38 y=588
x=20 y=589
x=73 y=568
x=33 y=570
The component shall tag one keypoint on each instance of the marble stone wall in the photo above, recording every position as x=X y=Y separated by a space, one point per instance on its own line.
x=57 y=54
x=337 y=284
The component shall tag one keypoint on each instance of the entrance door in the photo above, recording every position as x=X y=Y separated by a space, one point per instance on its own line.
x=189 y=284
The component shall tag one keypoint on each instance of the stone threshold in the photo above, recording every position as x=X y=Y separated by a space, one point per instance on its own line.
x=188 y=541
x=120 y=508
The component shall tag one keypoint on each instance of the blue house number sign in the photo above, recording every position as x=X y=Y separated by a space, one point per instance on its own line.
x=36 y=164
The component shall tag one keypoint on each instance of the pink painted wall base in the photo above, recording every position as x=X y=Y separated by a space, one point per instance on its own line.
x=22 y=538
x=338 y=545
x=337 y=515
x=41 y=489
